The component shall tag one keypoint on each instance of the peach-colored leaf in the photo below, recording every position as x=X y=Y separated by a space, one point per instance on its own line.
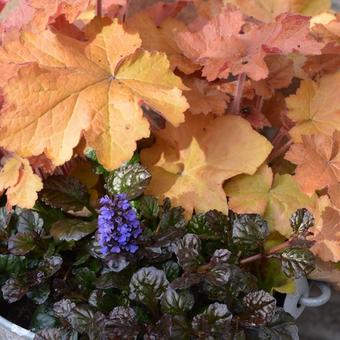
x=204 y=97
x=189 y=164
x=327 y=236
x=317 y=160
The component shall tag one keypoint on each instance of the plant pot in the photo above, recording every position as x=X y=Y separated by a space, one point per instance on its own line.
x=293 y=304
x=10 y=331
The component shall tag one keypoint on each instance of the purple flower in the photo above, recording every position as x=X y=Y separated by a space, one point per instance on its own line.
x=118 y=225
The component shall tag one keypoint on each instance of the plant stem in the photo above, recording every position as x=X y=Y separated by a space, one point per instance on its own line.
x=235 y=108
x=280 y=151
x=269 y=252
x=99 y=10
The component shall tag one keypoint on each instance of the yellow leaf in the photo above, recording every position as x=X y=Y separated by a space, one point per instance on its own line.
x=189 y=164
x=315 y=108
x=21 y=183
x=276 y=200
x=65 y=87
x=249 y=194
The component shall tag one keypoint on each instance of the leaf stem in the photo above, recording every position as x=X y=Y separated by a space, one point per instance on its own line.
x=271 y=251
x=235 y=108
x=99 y=9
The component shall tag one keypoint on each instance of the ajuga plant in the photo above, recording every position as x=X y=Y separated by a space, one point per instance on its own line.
x=169 y=143
x=136 y=268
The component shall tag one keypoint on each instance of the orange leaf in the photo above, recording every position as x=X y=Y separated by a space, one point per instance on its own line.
x=189 y=164
x=280 y=76
x=95 y=86
x=21 y=183
x=317 y=160
x=162 y=38
x=220 y=48
x=205 y=97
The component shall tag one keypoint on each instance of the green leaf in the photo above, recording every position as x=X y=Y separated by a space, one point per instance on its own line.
x=210 y=225
x=66 y=193
x=28 y=221
x=149 y=208
x=296 y=262
x=176 y=302
x=188 y=252
x=122 y=324
x=72 y=229
x=5 y=217
x=131 y=179
x=273 y=279
x=213 y=323
x=301 y=221
x=171 y=217
x=84 y=278
x=249 y=232
x=258 y=309
x=39 y=294
x=171 y=270
x=21 y=243
x=147 y=286
x=13 y=290
x=12 y=265
x=43 y=318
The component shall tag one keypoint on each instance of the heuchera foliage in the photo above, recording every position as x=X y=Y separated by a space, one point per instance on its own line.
x=231 y=105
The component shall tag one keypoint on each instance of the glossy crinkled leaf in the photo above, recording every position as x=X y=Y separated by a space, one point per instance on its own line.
x=85 y=320
x=131 y=179
x=66 y=193
x=249 y=232
x=21 y=183
x=296 y=262
x=21 y=243
x=187 y=251
x=147 y=285
x=39 y=294
x=215 y=321
x=29 y=220
x=85 y=86
x=189 y=164
x=276 y=199
x=63 y=307
x=259 y=308
x=176 y=303
x=122 y=323
x=13 y=290
x=301 y=221
x=282 y=326
x=72 y=230
x=315 y=108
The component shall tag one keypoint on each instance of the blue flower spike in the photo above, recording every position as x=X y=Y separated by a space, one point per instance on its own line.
x=118 y=225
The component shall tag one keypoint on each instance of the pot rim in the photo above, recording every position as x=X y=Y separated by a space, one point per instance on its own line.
x=15 y=329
